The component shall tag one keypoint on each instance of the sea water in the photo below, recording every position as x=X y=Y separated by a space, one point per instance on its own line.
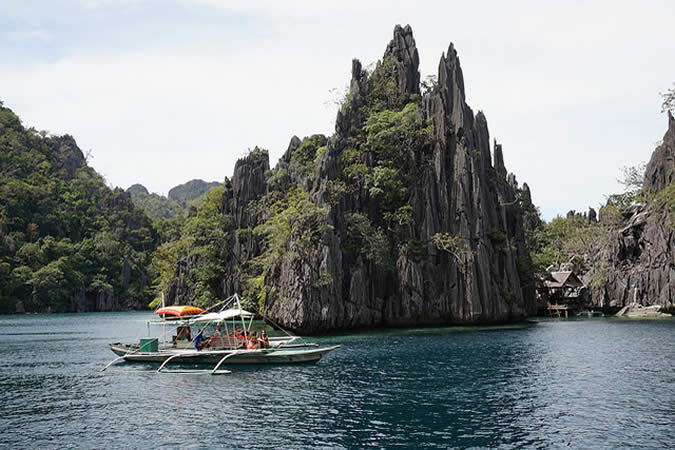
x=596 y=383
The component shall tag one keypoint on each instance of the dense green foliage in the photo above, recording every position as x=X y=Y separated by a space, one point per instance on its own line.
x=306 y=154
x=394 y=138
x=383 y=91
x=204 y=240
x=65 y=237
x=154 y=205
x=568 y=239
x=293 y=229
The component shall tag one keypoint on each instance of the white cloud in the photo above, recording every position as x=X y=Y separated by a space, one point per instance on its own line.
x=570 y=90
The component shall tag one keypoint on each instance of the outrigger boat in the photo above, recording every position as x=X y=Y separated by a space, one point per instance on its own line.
x=228 y=347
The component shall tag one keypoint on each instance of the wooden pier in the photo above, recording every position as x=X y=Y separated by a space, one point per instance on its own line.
x=556 y=310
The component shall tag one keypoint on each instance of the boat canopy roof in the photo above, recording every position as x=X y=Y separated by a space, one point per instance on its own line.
x=223 y=315
x=179 y=310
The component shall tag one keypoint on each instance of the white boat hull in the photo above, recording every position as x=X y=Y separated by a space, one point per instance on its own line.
x=262 y=356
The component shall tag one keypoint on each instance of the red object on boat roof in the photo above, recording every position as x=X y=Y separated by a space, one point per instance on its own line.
x=179 y=310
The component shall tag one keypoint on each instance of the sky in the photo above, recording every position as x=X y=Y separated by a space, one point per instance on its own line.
x=162 y=92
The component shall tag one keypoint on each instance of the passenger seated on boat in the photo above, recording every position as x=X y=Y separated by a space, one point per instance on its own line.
x=239 y=335
x=200 y=340
x=264 y=339
x=218 y=339
x=253 y=342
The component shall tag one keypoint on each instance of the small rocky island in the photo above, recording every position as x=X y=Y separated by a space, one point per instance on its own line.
x=403 y=217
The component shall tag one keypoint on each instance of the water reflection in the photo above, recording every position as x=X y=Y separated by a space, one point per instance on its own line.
x=582 y=384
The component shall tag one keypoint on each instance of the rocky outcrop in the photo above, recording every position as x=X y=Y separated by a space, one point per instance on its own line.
x=68 y=156
x=637 y=311
x=456 y=191
x=404 y=55
x=661 y=167
x=638 y=265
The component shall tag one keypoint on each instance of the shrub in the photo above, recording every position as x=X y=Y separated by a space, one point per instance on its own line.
x=306 y=153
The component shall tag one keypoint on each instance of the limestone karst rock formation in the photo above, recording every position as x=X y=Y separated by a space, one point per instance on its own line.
x=454 y=190
x=638 y=265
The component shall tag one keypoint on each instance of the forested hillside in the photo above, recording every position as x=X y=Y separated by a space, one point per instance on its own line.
x=67 y=241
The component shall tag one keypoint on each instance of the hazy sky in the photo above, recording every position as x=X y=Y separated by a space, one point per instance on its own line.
x=165 y=91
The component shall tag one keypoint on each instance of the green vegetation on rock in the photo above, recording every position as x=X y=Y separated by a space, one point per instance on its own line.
x=292 y=230
x=307 y=153
x=205 y=242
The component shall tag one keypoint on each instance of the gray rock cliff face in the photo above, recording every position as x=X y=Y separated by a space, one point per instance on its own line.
x=638 y=265
x=456 y=190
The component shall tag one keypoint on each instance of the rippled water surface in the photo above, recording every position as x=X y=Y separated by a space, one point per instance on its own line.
x=581 y=384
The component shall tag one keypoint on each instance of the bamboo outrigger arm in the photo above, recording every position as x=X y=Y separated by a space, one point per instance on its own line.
x=236 y=352
x=170 y=358
x=112 y=362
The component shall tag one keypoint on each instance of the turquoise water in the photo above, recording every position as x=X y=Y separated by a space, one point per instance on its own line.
x=582 y=384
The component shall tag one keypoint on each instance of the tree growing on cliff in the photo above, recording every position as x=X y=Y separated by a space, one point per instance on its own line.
x=293 y=229
x=668 y=100
x=306 y=153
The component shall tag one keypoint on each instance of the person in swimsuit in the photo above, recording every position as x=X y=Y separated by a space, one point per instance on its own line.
x=264 y=339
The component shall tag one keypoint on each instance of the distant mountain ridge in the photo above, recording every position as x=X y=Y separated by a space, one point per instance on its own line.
x=180 y=197
x=185 y=194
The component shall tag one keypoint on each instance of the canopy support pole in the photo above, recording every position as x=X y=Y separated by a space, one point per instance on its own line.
x=163 y=322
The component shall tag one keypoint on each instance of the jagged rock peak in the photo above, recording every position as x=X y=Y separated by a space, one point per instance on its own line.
x=450 y=71
x=248 y=182
x=527 y=195
x=292 y=146
x=356 y=70
x=661 y=168
x=349 y=118
x=499 y=166
x=403 y=53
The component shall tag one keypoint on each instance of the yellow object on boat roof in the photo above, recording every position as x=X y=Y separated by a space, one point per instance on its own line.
x=180 y=310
